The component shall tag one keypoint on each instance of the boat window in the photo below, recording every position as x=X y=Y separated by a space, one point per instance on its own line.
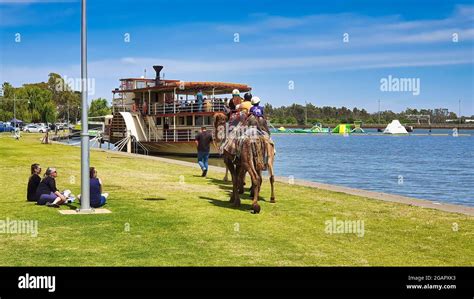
x=189 y=120
x=140 y=84
x=128 y=84
x=158 y=121
x=207 y=120
x=181 y=121
x=199 y=120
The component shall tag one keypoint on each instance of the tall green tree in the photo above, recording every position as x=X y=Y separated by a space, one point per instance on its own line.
x=99 y=107
x=41 y=102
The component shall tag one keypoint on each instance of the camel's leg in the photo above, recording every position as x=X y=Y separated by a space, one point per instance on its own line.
x=242 y=173
x=252 y=190
x=226 y=176
x=233 y=175
x=271 y=159
x=236 y=184
x=256 y=182
x=254 y=176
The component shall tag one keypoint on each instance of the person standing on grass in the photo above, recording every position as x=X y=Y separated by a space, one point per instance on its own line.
x=203 y=143
x=33 y=182
x=47 y=193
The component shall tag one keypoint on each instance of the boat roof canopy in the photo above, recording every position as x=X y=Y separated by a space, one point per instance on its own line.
x=183 y=87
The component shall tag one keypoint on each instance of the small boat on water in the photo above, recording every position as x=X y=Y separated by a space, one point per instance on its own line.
x=164 y=115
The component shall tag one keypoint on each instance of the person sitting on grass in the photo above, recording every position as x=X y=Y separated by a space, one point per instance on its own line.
x=47 y=193
x=33 y=182
x=97 y=198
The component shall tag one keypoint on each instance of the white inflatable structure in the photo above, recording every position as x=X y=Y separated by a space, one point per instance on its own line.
x=395 y=127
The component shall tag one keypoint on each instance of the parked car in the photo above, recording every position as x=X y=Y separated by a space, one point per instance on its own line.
x=34 y=129
x=6 y=127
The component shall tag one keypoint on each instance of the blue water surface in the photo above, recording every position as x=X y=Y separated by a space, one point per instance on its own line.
x=438 y=168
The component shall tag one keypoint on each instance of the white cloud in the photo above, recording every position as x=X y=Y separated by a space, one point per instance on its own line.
x=364 y=31
x=113 y=69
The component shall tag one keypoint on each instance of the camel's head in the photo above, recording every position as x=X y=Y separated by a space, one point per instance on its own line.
x=220 y=120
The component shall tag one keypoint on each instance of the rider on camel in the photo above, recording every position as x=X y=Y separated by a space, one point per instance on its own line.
x=235 y=100
x=234 y=103
x=246 y=104
x=257 y=111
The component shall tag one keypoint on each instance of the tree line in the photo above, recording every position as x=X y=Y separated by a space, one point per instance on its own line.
x=46 y=102
x=297 y=114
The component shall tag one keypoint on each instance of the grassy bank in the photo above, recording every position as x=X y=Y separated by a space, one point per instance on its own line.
x=164 y=214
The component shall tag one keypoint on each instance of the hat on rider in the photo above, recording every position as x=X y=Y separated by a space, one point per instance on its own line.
x=255 y=100
x=248 y=96
x=235 y=92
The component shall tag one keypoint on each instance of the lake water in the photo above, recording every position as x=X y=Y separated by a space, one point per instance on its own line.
x=438 y=168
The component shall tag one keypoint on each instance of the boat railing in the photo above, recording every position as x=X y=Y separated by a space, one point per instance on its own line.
x=212 y=105
x=138 y=145
x=177 y=135
x=188 y=107
x=121 y=108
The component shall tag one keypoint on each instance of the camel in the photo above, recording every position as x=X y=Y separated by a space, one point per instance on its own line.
x=251 y=160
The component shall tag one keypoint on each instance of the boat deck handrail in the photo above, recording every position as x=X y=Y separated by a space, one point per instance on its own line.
x=178 y=135
x=211 y=105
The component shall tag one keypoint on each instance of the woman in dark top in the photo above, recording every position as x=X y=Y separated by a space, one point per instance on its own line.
x=33 y=182
x=96 y=197
x=47 y=193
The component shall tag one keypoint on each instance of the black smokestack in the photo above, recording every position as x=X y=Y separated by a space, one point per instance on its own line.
x=157 y=69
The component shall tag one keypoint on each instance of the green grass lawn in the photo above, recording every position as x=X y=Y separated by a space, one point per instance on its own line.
x=176 y=222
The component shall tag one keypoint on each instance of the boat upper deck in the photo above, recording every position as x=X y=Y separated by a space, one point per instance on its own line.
x=183 y=107
x=170 y=97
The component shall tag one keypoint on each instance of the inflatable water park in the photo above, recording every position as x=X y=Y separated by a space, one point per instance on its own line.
x=394 y=128
x=317 y=128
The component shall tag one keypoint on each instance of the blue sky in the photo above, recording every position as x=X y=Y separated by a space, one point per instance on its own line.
x=279 y=41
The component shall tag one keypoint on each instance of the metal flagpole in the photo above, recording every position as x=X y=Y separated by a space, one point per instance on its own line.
x=14 y=111
x=85 y=181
